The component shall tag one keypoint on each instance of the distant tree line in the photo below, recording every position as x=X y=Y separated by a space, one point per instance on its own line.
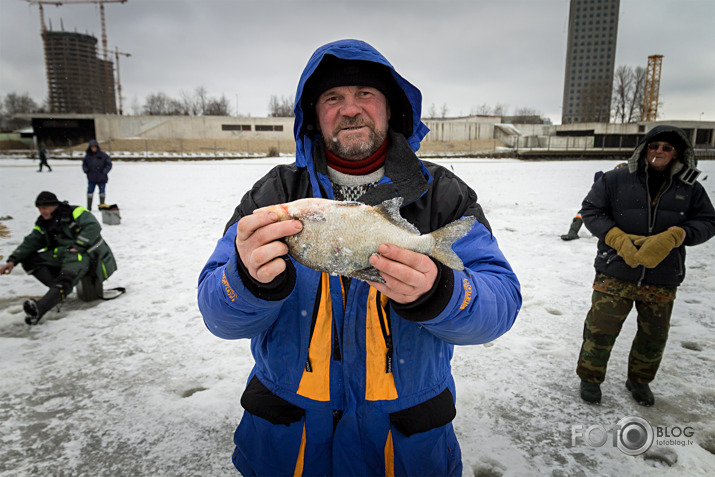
x=198 y=103
x=14 y=103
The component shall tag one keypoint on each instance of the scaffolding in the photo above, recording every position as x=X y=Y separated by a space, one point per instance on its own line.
x=652 y=88
x=76 y=79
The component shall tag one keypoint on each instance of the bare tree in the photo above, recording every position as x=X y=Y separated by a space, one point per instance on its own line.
x=635 y=110
x=280 y=107
x=622 y=92
x=500 y=109
x=156 y=104
x=628 y=86
x=432 y=112
x=444 y=110
x=217 y=107
x=482 y=110
x=19 y=103
x=527 y=116
x=201 y=99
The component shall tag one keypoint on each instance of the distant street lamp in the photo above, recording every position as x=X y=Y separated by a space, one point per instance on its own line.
x=701 y=116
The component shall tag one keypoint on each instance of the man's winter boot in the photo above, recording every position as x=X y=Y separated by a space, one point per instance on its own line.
x=573 y=230
x=36 y=309
x=591 y=392
x=641 y=393
x=89 y=201
x=32 y=314
x=101 y=198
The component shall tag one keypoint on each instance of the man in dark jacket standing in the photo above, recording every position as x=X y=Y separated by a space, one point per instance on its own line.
x=644 y=216
x=59 y=252
x=96 y=165
x=42 y=152
x=353 y=377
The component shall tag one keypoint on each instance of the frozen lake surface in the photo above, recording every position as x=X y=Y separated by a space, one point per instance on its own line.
x=138 y=386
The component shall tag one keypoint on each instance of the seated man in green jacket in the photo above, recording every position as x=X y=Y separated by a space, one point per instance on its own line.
x=59 y=252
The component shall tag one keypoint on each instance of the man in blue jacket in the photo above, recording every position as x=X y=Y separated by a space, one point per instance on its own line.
x=96 y=164
x=353 y=377
x=644 y=216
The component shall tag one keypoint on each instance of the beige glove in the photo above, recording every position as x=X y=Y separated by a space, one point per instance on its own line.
x=655 y=248
x=623 y=243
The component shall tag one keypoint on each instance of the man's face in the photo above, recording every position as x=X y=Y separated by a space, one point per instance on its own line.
x=353 y=120
x=46 y=210
x=659 y=154
x=93 y=148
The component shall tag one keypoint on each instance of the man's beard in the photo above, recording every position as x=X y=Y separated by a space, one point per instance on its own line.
x=359 y=151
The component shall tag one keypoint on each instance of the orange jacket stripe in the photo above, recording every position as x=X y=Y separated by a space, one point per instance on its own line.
x=389 y=456
x=301 y=457
x=315 y=384
x=379 y=384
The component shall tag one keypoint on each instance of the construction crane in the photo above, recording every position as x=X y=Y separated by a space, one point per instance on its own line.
x=43 y=30
x=652 y=88
x=39 y=3
x=119 y=82
x=104 y=28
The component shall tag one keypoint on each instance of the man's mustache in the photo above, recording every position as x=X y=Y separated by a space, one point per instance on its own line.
x=353 y=123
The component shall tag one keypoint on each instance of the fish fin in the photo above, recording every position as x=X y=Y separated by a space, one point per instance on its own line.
x=445 y=237
x=369 y=274
x=390 y=209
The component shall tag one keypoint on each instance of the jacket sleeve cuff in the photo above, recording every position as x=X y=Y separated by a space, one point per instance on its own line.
x=276 y=290
x=432 y=303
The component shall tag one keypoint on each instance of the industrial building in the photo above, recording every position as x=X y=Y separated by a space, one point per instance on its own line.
x=590 y=59
x=466 y=136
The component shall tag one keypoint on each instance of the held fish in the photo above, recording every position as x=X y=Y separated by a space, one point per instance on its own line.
x=339 y=237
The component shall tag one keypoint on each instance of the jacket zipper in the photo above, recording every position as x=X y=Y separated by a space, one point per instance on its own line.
x=314 y=319
x=652 y=213
x=386 y=328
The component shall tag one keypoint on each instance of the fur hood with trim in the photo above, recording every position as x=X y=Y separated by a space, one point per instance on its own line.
x=684 y=166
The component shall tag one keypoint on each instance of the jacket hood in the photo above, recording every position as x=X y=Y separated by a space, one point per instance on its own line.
x=93 y=142
x=354 y=50
x=684 y=165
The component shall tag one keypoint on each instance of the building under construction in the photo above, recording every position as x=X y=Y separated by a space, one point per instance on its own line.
x=77 y=80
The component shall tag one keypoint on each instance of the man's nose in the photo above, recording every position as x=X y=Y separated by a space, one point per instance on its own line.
x=350 y=107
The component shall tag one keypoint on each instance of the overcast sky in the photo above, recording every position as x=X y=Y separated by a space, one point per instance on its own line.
x=459 y=53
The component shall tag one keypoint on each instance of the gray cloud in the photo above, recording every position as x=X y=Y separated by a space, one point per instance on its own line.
x=459 y=53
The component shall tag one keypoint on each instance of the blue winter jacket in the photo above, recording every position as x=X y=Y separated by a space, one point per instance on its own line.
x=96 y=164
x=346 y=382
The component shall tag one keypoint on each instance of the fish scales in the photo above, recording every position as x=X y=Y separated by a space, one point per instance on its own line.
x=339 y=237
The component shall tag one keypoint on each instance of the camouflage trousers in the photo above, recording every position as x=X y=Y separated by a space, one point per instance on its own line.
x=611 y=302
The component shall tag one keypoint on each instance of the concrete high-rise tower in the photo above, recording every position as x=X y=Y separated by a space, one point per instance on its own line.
x=75 y=75
x=590 y=58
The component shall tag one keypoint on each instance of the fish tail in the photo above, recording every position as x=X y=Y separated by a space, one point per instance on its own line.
x=445 y=237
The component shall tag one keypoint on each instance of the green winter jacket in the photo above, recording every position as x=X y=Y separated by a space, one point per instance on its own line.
x=70 y=227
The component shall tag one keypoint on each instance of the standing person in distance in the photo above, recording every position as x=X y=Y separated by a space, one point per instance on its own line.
x=96 y=165
x=644 y=216
x=42 y=153
x=353 y=377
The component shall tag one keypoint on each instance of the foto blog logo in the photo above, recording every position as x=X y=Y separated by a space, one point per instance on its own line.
x=631 y=435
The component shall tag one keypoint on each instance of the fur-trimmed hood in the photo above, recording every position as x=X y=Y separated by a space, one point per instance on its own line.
x=684 y=166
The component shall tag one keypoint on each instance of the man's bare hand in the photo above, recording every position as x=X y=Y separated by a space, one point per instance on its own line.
x=408 y=275
x=259 y=246
x=7 y=268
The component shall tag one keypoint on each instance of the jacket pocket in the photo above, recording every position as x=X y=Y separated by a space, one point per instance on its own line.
x=431 y=414
x=261 y=402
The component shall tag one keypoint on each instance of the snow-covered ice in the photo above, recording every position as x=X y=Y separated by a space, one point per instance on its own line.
x=138 y=386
